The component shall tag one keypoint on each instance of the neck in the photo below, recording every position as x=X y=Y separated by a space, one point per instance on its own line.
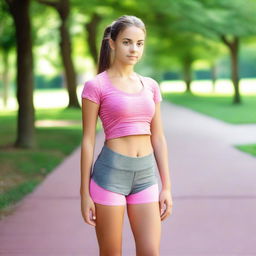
x=122 y=71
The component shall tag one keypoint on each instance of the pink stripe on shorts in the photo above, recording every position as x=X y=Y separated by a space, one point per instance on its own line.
x=102 y=196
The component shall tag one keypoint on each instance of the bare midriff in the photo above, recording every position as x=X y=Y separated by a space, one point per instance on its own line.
x=132 y=145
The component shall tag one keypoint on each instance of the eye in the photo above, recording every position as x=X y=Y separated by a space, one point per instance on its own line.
x=125 y=42
x=140 y=44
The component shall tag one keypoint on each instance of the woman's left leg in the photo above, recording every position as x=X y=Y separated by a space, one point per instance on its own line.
x=145 y=223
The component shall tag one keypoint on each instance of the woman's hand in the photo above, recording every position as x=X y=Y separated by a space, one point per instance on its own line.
x=165 y=199
x=87 y=206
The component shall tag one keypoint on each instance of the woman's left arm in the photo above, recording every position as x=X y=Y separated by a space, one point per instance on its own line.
x=161 y=155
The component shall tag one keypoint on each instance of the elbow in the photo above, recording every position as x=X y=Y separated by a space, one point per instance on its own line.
x=158 y=140
x=88 y=141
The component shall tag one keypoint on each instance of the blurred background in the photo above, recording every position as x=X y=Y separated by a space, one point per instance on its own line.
x=202 y=53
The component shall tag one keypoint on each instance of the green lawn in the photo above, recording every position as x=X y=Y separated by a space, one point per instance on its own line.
x=21 y=170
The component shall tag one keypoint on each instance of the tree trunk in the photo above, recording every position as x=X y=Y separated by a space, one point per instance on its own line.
x=66 y=49
x=187 y=73
x=6 y=84
x=25 y=85
x=63 y=9
x=235 y=76
x=214 y=76
x=91 y=29
x=234 y=49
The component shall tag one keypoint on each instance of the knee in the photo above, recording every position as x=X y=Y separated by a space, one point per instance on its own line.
x=148 y=251
x=111 y=252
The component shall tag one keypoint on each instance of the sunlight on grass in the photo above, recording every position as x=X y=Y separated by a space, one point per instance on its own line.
x=222 y=87
x=58 y=98
x=52 y=98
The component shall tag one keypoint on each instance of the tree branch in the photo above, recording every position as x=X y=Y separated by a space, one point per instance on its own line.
x=225 y=40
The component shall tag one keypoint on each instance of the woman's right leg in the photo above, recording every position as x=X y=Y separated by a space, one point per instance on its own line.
x=109 y=225
x=109 y=209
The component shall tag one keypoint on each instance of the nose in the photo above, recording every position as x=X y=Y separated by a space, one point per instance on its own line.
x=134 y=47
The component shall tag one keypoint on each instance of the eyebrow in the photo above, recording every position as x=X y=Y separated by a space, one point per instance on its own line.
x=131 y=39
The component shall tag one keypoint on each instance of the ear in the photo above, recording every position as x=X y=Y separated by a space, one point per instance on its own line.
x=111 y=44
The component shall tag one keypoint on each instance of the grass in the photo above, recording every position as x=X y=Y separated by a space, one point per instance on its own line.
x=248 y=148
x=21 y=170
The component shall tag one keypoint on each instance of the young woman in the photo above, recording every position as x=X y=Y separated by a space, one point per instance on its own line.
x=124 y=172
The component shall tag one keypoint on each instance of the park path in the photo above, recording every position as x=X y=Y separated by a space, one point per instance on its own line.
x=213 y=188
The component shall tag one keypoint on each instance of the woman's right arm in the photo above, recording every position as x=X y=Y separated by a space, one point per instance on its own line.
x=89 y=117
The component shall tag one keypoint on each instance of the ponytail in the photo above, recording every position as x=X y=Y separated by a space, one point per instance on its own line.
x=104 y=59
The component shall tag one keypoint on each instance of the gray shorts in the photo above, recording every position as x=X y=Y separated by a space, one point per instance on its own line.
x=123 y=174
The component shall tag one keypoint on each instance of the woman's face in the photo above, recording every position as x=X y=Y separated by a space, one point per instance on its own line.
x=129 y=45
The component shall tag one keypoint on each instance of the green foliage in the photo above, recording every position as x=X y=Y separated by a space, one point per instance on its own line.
x=239 y=17
x=7 y=32
x=176 y=29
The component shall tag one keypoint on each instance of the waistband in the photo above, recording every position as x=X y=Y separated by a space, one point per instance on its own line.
x=114 y=159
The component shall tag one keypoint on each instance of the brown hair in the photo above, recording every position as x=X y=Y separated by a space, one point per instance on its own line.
x=112 y=31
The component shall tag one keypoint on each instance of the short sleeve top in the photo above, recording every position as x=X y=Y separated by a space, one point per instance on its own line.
x=123 y=113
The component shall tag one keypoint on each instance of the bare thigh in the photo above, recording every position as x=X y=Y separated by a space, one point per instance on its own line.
x=109 y=225
x=145 y=223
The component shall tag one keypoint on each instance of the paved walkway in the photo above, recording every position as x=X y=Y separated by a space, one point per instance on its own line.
x=214 y=196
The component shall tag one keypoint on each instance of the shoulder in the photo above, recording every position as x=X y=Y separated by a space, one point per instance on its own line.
x=94 y=81
x=92 y=89
x=152 y=83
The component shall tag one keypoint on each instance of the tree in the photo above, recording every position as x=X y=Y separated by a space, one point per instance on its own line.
x=63 y=9
x=227 y=21
x=19 y=10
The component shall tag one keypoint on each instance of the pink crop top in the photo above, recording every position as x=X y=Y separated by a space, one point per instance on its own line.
x=123 y=113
